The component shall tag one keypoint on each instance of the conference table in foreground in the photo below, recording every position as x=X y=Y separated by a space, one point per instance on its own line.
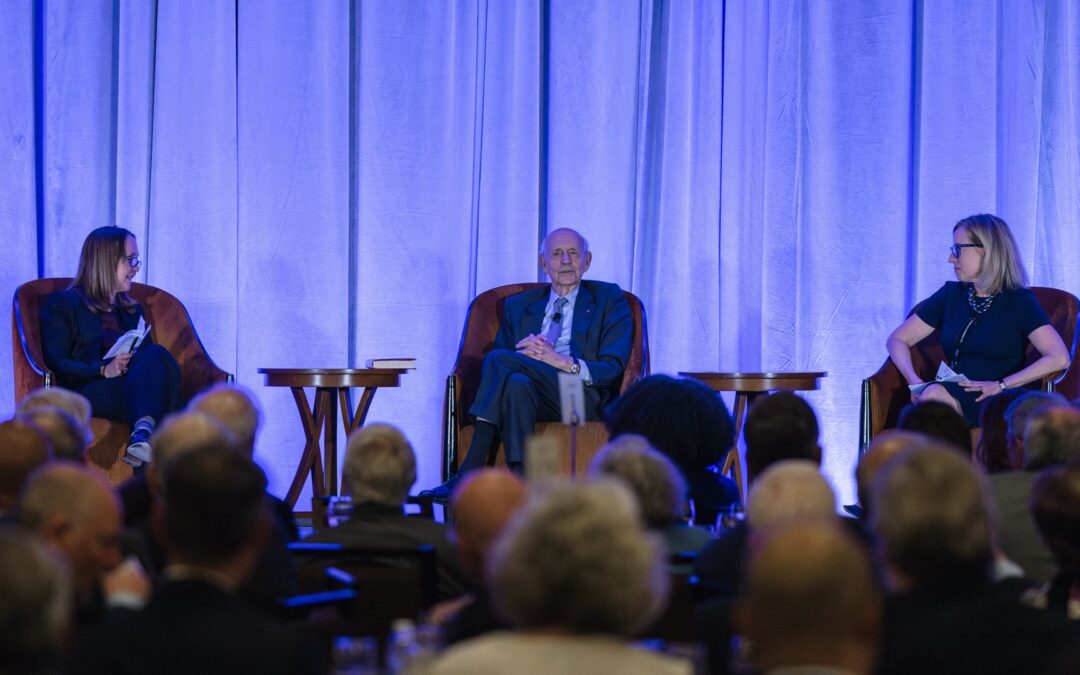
x=747 y=387
x=320 y=421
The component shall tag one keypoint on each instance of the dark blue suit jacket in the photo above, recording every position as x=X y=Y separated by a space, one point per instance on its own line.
x=601 y=336
x=71 y=338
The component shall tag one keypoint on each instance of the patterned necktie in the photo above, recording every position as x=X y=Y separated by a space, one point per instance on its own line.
x=556 y=322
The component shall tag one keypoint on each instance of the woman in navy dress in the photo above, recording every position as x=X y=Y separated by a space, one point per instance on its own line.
x=80 y=324
x=987 y=319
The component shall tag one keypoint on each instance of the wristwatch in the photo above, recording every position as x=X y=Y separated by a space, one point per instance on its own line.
x=575 y=368
x=1001 y=383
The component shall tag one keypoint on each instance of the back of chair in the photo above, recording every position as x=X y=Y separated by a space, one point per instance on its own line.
x=885 y=393
x=171 y=328
x=478 y=337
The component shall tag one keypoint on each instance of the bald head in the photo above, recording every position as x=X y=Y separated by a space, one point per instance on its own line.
x=483 y=504
x=885 y=446
x=73 y=508
x=23 y=448
x=791 y=489
x=810 y=597
x=233 y=407
x=182 y=433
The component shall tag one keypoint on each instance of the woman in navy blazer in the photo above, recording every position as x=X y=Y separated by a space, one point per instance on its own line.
x=80 y=324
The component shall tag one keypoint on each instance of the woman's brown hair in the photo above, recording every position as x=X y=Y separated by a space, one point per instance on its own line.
x=95 y=280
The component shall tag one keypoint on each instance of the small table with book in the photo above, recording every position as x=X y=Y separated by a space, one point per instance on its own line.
x=332 y=385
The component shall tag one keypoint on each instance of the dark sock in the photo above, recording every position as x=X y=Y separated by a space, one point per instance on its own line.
x=484 y=436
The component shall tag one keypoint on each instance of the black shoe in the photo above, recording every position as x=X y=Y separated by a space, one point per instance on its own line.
x=441 y=494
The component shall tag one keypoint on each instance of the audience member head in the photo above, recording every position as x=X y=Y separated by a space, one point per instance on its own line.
x=74 y=509
x=71 y=402
x=937 y=420
x=653 y=478
x=931 y=517
x=380 y=466
x=779 y=426
x=810 y=598
x=1055 y=504
x=23 y=448
x=883 y=448
x=992 y=450
x=235 y=408
x=35 y=605
x=1019 y=414
x=179 y=433
x=1052 y=437
x=215 y=512
x=577 y=559
x=483 y=503
x=68 y=438
x=680 y=417
x=789 y=490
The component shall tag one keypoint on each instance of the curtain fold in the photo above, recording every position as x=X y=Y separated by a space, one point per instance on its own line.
x=323 y=183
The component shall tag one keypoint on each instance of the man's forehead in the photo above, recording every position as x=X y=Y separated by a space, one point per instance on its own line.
x=563 y=238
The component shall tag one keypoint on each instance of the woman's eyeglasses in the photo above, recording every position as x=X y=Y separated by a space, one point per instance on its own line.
x=133 y=261
x=957 y=249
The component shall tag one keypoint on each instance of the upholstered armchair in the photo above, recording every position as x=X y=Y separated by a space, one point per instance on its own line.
x=170 y=327
x=481 y=327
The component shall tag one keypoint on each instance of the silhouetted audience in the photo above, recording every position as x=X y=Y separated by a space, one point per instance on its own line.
x=23 y=448
x=658 y=486
x=35 y=606
x=215 y=522
x=937 y=420
x=69 y=439
x=811 y=603
x=931 y=516
x=576 y=574
x=380 y=469
x=992 y=448
x=1055 y=504
x=687 y=421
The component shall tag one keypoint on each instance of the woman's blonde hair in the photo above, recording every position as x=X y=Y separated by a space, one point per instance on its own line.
x=1002 y=268
x=95 y=280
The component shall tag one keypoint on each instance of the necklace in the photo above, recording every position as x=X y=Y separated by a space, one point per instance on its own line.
x=979 y=305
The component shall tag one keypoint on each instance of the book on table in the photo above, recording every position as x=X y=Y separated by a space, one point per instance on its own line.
x=395 y=362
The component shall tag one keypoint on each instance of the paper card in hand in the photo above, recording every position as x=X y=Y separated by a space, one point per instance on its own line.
x=129 y=341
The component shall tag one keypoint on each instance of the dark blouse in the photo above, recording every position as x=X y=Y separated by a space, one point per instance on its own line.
x=997 y=342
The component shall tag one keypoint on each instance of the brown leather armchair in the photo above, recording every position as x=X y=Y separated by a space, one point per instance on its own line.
x=170 y=327
x=481 y=327
x=886 y=392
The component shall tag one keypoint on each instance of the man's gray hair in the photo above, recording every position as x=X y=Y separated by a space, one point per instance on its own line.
x=71 y=402
x=1052 y=437
x=1026 y=406
x=931 y=514
x=35 y=604
x=234 y=407
x=789 y=490
x=653 y=478
x=577 y=558
x=380 y=465
x=581 y=238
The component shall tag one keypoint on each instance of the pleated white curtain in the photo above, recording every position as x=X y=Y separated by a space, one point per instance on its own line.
x=327 y=182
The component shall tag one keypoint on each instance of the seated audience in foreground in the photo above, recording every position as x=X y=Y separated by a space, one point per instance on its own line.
x=937 y=420
x=882 y=449
x=992 y=448
x=687 y=421
x=931 y=516
x=1055 y=503
x=380 y=469
x=483 y=504
x=576 y=574
x=658 y=487
x=23 y=448
x=1051 y=437
x=781 y=426
x=810 y=602
x=1019 y=414
x=71 y=402
x=69 y=439
x=215 y=521
x=35 y=606
x=73 y=508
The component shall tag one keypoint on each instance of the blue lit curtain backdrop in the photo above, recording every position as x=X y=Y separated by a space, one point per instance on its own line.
x=329 y=181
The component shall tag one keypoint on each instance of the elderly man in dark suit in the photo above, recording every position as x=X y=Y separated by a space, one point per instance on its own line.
x=581 y=327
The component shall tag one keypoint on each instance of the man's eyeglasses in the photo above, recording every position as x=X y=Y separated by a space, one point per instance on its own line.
x=133 y=261
x=957 y=249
